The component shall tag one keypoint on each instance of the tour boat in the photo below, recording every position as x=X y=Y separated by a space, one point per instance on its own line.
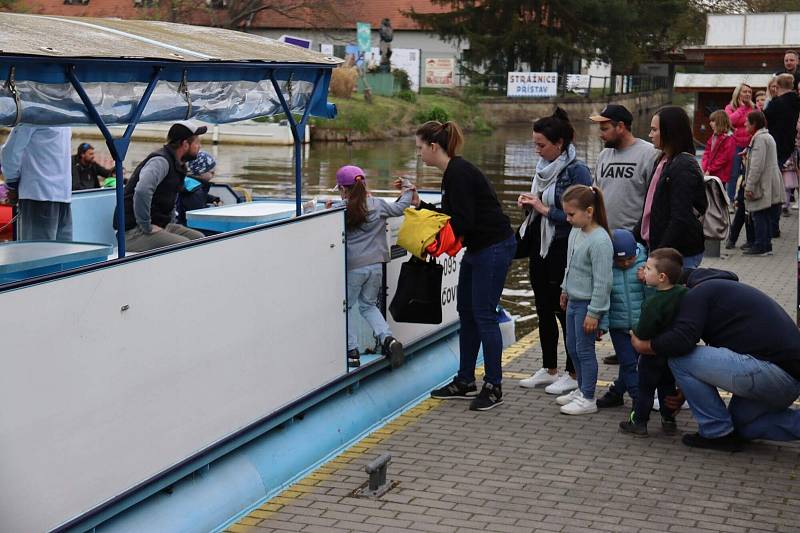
x=179 y=388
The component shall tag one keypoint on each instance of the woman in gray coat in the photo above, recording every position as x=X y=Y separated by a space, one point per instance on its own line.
x=763 y=186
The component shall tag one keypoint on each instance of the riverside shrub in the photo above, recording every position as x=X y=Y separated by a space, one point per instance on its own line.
x=432 y=113
x=343 y=82
x=407 y=96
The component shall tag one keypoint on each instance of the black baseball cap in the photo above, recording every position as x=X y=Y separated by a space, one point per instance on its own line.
x=184 y=130
x=615 y=112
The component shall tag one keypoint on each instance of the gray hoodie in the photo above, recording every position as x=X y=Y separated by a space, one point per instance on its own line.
x=367 y=244
x=623 y=176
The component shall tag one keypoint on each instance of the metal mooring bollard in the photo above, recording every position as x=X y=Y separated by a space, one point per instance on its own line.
x=377 y=476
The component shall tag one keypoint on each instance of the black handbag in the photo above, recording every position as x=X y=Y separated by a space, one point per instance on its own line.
x=523 y=243
x=418 y=298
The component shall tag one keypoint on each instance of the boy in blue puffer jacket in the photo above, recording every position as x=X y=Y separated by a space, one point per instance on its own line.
x=627 y=295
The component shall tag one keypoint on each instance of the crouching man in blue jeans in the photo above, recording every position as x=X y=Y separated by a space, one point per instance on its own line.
x=752 y=350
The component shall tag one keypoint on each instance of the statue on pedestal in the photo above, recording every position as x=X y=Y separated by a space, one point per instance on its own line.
x=386 y=34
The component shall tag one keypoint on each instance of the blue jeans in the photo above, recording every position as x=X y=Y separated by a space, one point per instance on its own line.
x=776 y=220
x=763 y=225
x=693 y=261
x=44 y=221
x=363 y=286
x=480 y=283
x=628 y=378
x=762 y=394
x=736 y=170
x=580 y=347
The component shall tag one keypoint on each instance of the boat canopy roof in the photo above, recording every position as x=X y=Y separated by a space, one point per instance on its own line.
x=210 y=74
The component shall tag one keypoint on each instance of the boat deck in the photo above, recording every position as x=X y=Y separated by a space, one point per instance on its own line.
x=525 y=467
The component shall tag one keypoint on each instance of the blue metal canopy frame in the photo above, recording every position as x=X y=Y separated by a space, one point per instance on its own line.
x=78 y=71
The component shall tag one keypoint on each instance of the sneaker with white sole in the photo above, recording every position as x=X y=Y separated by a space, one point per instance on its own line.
x=562 y=385
x=657 y=404
x=567 y=398
x=540 y=377
x=579 y=406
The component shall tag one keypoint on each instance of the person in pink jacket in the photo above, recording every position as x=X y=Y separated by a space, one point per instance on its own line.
x=720 y=148
x=741 y=104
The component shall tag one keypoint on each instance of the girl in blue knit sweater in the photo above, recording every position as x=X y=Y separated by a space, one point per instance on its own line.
x=586 y=290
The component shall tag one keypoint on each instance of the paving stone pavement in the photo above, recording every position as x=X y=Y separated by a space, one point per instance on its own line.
x=525 y=467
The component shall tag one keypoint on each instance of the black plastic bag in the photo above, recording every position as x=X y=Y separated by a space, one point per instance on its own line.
x=524 y=243
x=419 y=292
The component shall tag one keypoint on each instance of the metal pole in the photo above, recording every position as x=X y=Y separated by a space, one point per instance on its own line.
x=117 y=147
x=298 y=135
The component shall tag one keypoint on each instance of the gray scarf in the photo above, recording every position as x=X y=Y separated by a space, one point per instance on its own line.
x=544 y=186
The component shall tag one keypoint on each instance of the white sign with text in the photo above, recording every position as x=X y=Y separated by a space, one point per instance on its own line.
x=532 y=84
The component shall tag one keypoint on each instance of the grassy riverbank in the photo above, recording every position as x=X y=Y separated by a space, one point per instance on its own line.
x=386 y=117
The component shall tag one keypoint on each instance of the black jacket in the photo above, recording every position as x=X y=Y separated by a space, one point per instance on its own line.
x=470 y=200
x=198 y=198
x=782 y=113
x=678 y=200
x=86 y=177
x=728 y=314
x=162 y=206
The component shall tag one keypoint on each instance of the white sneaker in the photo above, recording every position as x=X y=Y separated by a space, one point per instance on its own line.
x=567 y=398
x=580 y=406
x=540 y=377
x=563 y=384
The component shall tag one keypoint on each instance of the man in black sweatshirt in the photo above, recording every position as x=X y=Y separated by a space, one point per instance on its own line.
x=752 y=350
x=782 y=113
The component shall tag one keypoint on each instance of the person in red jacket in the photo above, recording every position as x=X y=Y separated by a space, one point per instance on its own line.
x=741 y=104
x=720 y=148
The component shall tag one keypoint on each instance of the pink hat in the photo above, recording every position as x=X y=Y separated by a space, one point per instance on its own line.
x=346 y=176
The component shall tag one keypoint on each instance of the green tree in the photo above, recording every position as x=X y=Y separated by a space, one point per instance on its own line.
x=506 y=35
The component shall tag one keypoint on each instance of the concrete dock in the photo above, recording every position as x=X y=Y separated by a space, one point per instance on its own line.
x=525 y=467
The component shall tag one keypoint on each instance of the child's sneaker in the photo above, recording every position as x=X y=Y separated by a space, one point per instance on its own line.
x=456 y=390
x=540 y=377
x=562 y=385
x=580 y=406
x=668 y=425
x=610 y=399
x=632 y=427
x=490 y=396
x=353 y=358
x=394 y=351
x=567 y=398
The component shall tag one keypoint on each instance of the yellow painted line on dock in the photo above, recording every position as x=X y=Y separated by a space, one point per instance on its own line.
x=309 y=482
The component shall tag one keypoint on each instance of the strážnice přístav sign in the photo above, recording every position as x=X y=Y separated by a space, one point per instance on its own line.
x=532 y=84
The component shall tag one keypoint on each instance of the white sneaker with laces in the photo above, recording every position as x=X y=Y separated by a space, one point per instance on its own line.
x=540 y=377
x=569 y=397
x=563 y=384
x=580 y=406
